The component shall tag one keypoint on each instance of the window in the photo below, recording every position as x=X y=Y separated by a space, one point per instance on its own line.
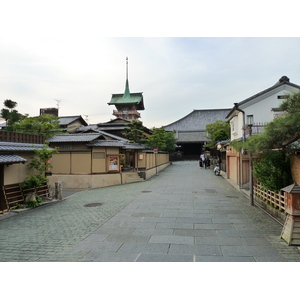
x=249 y=119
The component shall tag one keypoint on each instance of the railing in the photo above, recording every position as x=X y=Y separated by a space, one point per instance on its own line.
x=119 y=113
x=275 y=200
x=254 y=129
x=16 y=137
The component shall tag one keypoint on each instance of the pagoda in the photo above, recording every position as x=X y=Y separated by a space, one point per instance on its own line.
x=127 y=104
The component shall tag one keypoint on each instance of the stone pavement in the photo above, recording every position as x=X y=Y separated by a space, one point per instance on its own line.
x=183 y=214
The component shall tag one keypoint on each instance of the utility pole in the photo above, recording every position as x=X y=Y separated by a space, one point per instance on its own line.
x=57 y=102
x=251 y=171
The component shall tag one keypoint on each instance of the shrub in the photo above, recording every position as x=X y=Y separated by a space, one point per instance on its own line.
x=272 y=170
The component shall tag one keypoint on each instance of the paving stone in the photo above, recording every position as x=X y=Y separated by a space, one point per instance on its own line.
x=171 y=239
x=258 y=251
x=153 y=231
x=175 y=225
x=209 y=250
x=224 y=258
x=176 y=221
x=196 y=232
x=145 y=257
x=144 y=248
x=219 y=241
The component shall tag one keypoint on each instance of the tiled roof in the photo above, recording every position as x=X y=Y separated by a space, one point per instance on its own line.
x=11 y=159
x=64 y=121
x=11 y=146
x=96 y=129
x=198 y=119
x=77 y=137
x=292 y=189
x=282 y=81
x=135 y=146
x=88 y=128
x=115 y=143
x=105 y=143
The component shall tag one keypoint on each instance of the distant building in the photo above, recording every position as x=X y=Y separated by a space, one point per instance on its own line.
x=49 y=111
x=71 y=123
x=127 y=104
x=190 y=130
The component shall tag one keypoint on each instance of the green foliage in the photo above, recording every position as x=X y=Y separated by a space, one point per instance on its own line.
x=10 y=104
x=32 y=181
x=217 y=131
x=272 y=170
x=170 y=141
x=291 y=104
x=157 y=139
x=45 y=125
x=282 y=131
x=11 y=115
x=135 y=132
x=162 y=140
x=122 y=159
x=39 y=164
x=32 y=203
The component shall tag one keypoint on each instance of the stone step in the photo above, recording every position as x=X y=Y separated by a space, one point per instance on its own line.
x=131 y=177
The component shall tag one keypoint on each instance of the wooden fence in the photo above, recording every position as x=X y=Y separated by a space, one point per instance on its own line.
x=275 y=200
x=16 y=137
x=14 y=193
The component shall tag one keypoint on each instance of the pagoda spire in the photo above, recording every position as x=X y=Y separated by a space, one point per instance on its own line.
x=127 y=92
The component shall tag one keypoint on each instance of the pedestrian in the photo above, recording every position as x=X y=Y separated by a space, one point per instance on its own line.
x=202 y=160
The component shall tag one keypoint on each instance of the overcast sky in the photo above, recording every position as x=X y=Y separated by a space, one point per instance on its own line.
x=181 y=61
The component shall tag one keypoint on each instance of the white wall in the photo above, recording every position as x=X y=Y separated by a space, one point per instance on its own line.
x=261 y=108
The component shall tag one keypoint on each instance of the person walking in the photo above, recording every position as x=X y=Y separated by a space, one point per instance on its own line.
x=202 y=160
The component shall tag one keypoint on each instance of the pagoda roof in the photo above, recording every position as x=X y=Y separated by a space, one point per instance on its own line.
x=127 y=97
x=131 y=98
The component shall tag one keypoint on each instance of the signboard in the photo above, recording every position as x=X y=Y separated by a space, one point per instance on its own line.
x=113 y=163
x=155 y=150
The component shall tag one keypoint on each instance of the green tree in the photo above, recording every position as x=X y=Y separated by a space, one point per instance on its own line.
x=170 y=141
x=45 y=125
x=11 y=115
x=39 y=164
x=162 y=140
x=157 y=139
x=272 y=170
x=217 y=131
x=135 y=132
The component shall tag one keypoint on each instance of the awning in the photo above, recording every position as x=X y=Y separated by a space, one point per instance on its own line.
x=11 y=159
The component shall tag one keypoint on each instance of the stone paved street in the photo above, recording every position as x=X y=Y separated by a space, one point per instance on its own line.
x=183 y=214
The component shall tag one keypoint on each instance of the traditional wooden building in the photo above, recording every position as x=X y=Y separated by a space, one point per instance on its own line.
x=249 y=117
x=71 y=123
x=127 y=104
x=191 y=130
x=16 y=152
x=92 y=160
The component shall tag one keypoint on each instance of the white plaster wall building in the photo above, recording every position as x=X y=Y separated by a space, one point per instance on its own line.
x=259 y=109
x=255 y=111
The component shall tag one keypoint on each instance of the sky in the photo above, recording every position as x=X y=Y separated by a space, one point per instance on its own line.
x=73 y=56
